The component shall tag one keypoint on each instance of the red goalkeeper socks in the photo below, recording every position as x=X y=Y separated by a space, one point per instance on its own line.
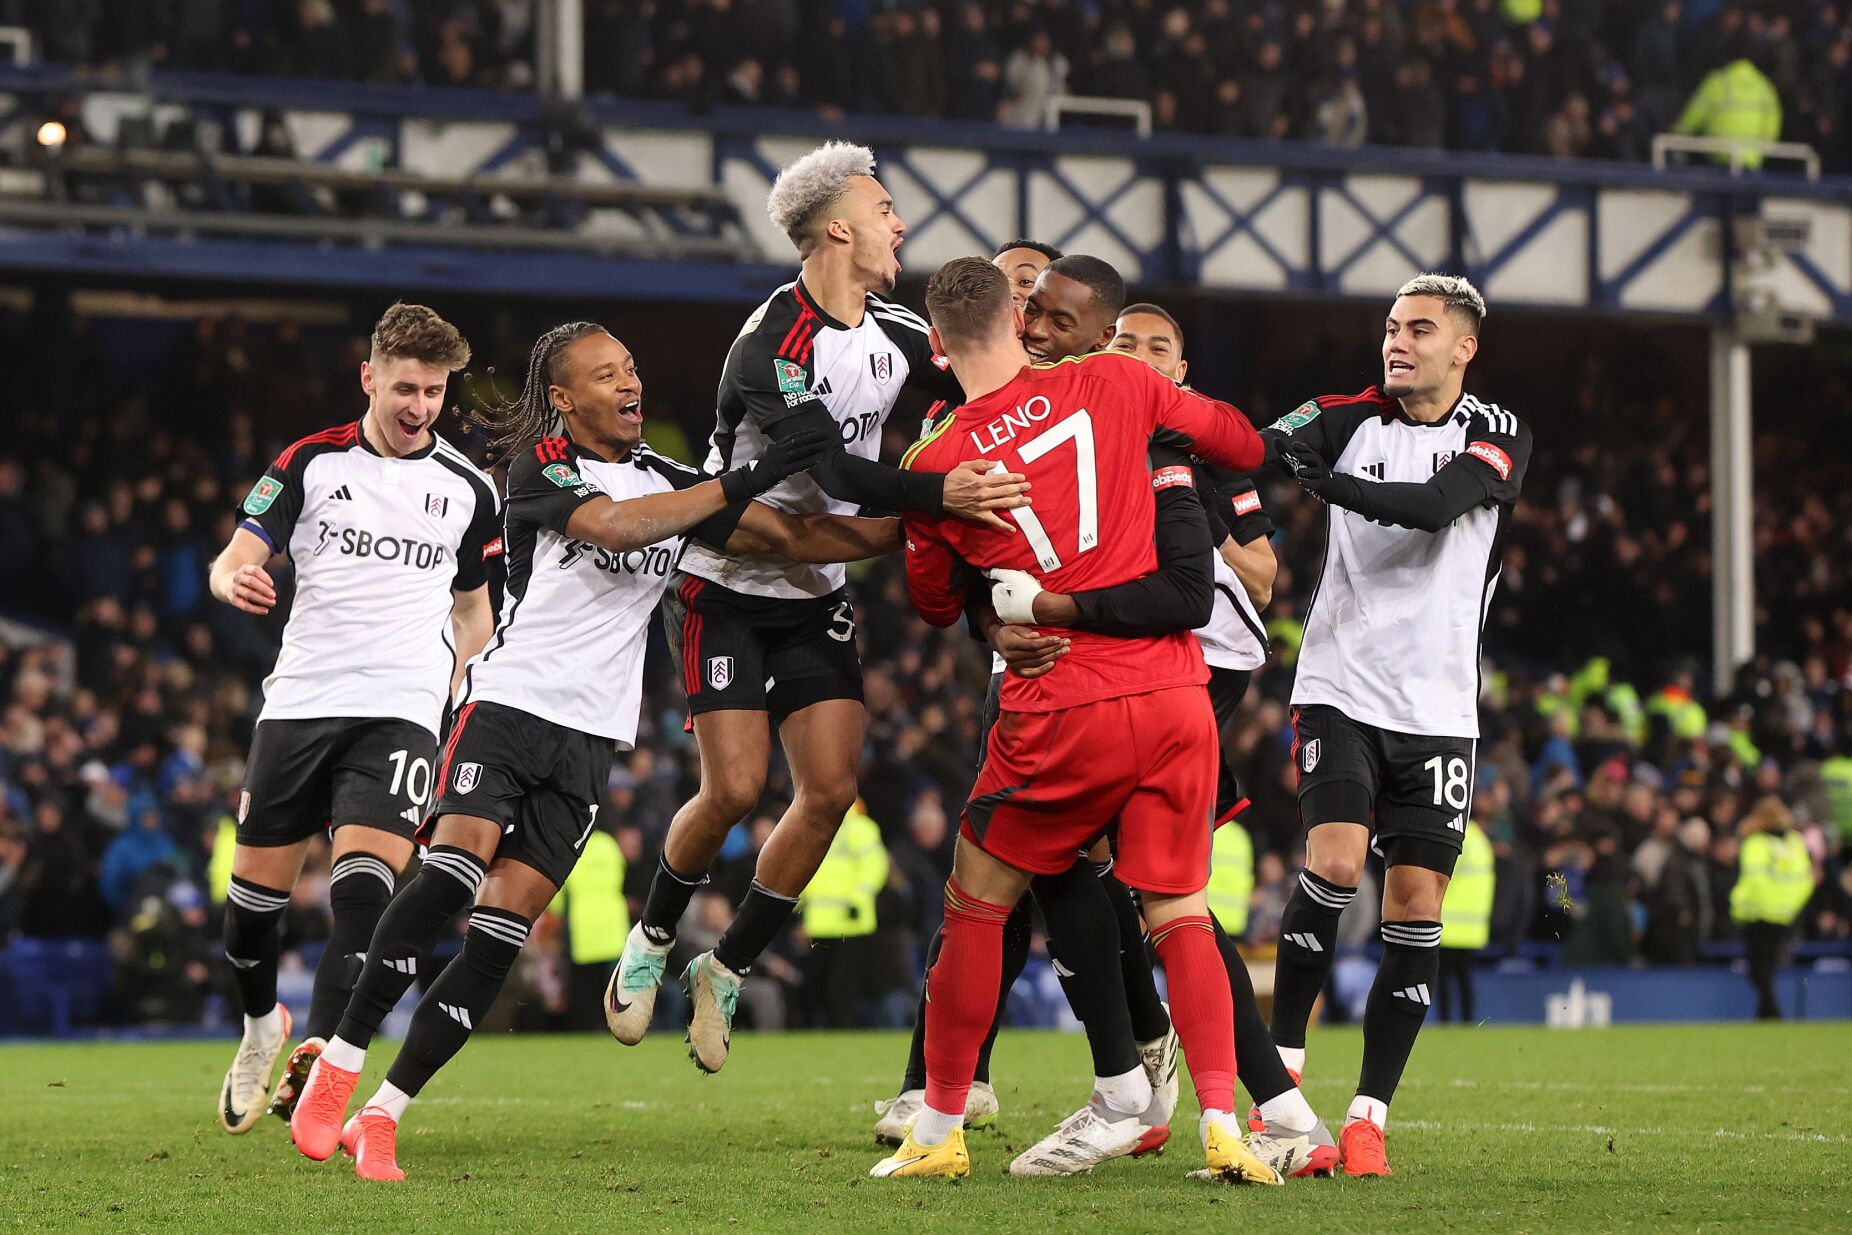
x=1201 y=1007
x=961 y=996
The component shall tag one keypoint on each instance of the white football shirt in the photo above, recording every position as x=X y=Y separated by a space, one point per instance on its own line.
x=1393 y=627
x=792 y=353
x=569 y=648
x=380 y=545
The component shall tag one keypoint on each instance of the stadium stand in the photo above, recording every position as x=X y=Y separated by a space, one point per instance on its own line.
x=1580 y=78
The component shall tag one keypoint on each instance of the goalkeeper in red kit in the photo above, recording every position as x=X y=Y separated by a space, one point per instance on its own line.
x=1121 y=728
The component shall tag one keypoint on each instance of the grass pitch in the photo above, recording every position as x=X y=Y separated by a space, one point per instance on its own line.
x=1682 y=1128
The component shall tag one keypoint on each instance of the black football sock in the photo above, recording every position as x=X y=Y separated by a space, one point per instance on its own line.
x=1398 y=1004
x=1018 y=931
x=1149 y=1020
x=1308 y=934
x=669 y=894
x=359 y=889
x=1084 y=943
x=461 y=996
x=1260 y=1069
x=915 y=1077
x=408 y=930
x=253 y=941
x=762 y=915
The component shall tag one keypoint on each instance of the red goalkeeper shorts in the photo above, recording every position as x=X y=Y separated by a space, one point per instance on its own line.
x=1052 y=782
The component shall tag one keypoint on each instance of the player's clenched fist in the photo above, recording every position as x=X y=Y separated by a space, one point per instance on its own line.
x=250 y=589
x=973 y=491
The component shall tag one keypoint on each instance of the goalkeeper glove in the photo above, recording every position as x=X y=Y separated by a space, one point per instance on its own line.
x=1012 y=595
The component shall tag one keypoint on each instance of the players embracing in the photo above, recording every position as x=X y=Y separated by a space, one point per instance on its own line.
x=1123 y=730
x=767 y=642
x=595 y=523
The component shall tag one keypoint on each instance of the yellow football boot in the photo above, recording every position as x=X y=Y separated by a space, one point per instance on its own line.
x=947 y=1159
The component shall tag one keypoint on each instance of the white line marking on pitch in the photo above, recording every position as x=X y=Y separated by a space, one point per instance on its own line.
x=1689 y=1134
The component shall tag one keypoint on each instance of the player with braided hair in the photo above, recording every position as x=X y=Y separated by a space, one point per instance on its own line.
x=596 y=521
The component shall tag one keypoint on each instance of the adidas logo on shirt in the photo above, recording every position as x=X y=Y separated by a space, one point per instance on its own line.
x=341 y=495
x=1414 y=994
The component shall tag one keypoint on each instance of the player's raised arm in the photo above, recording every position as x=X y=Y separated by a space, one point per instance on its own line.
x=971 y=491
x=1489 y=471
x=1217 y=431
x=812 y=537
x=638 y=522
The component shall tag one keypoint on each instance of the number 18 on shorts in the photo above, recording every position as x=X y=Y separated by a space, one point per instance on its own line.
x=1414 y=791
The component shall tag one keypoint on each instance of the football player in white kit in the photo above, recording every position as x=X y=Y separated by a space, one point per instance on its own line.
x=388 y=526
x=1419 y=479
x=596 y=524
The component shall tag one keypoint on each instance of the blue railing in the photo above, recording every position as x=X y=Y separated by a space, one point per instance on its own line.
x=1238 y=216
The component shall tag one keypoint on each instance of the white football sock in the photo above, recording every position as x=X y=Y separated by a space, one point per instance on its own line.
x=1225 y=1120
x=1128 y=1093
x=1289 y=1110
x=390 y=1099
x=266 y=1027
x=1368 y=1108
x=342 y=1054
x=932 y=1127
x=1293 y=1057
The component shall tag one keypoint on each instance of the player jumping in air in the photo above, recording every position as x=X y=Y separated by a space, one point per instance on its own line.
x=1123 y=729
x=828 y=352
x=1419 y=478
x=596 y=521
x=388 y=526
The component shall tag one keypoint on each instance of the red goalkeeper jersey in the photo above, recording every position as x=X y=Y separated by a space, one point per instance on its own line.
x=1080 y=430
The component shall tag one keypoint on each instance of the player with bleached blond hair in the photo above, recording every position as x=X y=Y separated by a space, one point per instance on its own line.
x=764 y=640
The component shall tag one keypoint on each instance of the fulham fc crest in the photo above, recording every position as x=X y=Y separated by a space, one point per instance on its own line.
x=469 y=773
x=719 y=671
x=882 y=365
x=1309 y=756
x=436 y=504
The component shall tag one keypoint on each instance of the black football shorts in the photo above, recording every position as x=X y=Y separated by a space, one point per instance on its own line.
x=304 y=776
x=741 y=652
x=1414 y=791
x=544 y=783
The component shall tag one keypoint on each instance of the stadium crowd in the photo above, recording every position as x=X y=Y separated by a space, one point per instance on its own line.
x=1590 y=78
x=1613 y=785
